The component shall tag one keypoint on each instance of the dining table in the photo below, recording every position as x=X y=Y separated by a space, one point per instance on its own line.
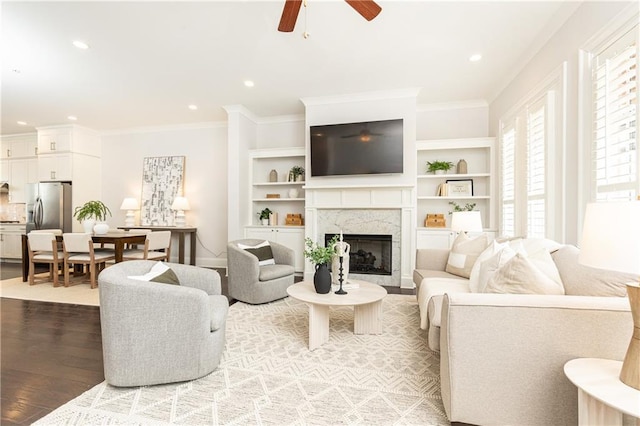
x=119 y=239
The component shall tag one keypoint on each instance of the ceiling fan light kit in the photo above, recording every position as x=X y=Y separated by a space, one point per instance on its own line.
x=368 y=9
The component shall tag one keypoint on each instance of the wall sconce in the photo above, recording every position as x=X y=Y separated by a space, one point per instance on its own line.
x=130 y=204
x=180 y=204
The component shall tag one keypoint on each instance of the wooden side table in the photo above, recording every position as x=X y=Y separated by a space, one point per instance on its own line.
x=602 y=397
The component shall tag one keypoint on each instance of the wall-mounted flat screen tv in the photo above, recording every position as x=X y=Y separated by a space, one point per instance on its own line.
x=372 y=147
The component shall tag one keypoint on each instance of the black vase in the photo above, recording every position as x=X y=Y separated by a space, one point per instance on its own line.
x=322 y=279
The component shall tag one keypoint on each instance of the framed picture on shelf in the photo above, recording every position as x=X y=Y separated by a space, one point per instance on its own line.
x=460 y=187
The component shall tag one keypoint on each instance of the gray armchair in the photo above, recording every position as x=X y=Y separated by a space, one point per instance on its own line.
x=255 y=284
x=156 y=333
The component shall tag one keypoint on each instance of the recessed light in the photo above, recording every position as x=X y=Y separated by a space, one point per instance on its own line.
x=475 y=57
x=72 y=117
x=193 y=107
x=249 y=83
x=80 y=44
x=22 y=123
x=16 y=70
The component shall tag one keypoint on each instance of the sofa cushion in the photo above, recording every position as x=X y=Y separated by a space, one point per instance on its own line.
x=490 y=266
x=435 y=286
x=435 y=314
x=272 y=272
x=520 y=276
x=580 y=280
x=464 y=253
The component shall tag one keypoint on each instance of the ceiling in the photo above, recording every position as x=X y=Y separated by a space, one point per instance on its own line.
x=148 y=61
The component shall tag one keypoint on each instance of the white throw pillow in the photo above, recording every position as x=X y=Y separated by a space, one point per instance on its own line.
x=490 y=266
x=533 y=245
x=520 y=276
x=494 y=248
x=544 y=262
x=158 y=273
x=464 y=253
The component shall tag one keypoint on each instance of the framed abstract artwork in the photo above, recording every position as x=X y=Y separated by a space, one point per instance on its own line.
x=162 y=182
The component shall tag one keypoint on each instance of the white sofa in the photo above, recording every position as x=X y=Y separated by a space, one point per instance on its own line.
x=502 y=355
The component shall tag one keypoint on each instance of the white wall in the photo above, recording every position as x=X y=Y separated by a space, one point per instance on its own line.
x=205 y=181
x=588 y=20
x=453 y=120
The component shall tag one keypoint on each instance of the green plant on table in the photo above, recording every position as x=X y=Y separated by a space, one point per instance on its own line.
x=439 y=165
x=92 y=210
x=318 y=254
x=296 y=171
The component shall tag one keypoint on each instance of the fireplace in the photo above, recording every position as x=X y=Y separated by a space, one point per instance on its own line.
x=369 y=254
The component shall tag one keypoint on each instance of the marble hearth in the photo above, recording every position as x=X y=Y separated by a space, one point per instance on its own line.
x=365 y=221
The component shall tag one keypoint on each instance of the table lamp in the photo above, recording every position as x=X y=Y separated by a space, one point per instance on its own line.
x=470 y=221
x=611 y=240
x=180 y=204
x=130 y=204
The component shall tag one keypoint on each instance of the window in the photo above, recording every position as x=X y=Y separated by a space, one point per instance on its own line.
x=525 y=168
x=614 y=155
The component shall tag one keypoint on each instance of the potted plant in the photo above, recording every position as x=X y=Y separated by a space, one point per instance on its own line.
x=458 y=208
x=439 y=167
x=320 y=256
x=264 y=215
x=296 y=174
x=91 y=212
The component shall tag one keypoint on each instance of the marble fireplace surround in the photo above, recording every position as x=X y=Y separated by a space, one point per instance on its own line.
x=366 y=210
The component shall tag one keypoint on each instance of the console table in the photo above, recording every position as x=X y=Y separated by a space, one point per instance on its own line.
x=602 y=397
x=181 y=232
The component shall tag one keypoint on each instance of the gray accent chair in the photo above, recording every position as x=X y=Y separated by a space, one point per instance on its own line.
x=255 y=284
x=155 y=333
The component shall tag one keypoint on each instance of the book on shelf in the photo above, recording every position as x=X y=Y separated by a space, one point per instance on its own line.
x=443 y=190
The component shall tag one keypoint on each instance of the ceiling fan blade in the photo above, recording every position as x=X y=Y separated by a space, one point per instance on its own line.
x=289 y=15
x=369 y=9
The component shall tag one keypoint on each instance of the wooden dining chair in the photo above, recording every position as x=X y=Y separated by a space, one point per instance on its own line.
x=43 y=248
x=157 y=246
x=78 y=250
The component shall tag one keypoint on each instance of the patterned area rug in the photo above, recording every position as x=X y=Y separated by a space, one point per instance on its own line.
x=268 y=376
x=77 y=294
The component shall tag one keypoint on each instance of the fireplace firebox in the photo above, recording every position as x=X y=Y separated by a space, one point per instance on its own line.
x=369 y=253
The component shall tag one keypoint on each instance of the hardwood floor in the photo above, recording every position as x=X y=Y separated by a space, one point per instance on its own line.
x=51 y=353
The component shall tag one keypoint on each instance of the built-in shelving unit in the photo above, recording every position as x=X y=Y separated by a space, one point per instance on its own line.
x=292 y=198
x=479 y=156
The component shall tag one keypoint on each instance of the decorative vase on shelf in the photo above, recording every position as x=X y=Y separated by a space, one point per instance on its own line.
x=440 y=172
x=265 y=222
x=101 y=228
x=322 y=279
x=462 y=167
x=88 y=224
x=273 y=176
x=293 y=193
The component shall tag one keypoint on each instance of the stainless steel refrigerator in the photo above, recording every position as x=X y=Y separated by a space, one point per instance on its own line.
x=49 y=206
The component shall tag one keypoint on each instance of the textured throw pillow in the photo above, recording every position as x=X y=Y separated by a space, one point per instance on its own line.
x=494 y=248
x=160 y=273
x=580 y=280
x=464 y=253
x=544 y=262
x=490 y=266
x=262 y=251
x=520 y=276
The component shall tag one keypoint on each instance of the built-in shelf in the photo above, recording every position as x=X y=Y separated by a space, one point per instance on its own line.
x=278 y=184
x=455 y=176
x=470 y=197
x=276 y=199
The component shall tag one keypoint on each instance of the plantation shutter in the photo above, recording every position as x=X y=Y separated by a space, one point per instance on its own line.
x=536 y=160
x=615 y=101
x=508 y=182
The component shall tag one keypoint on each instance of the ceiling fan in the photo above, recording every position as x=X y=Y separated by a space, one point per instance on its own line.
x=367 y=8
x=364 y=135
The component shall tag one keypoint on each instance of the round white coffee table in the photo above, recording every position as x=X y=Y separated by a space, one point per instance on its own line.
x=602 y=397
x=367 y=308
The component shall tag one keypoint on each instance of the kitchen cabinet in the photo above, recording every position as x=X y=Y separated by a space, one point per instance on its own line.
x=55 y=167
x=68 y=138
x=11 y=241
x=19 y=146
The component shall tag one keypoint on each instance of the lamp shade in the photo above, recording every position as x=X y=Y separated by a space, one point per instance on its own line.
x=180 y=203
x=611 y=236
x=129 y=204
x=466 y=221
